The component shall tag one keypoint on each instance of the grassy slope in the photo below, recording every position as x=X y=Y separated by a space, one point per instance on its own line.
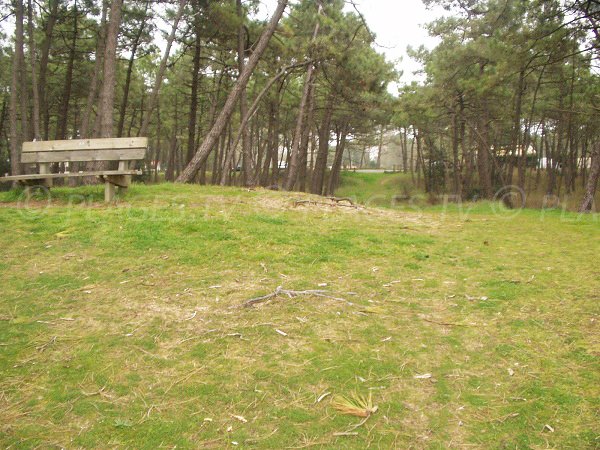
x=121 y=326
x=378 y=189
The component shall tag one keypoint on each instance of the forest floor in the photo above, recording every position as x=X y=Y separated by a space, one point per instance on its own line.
x=124 y=326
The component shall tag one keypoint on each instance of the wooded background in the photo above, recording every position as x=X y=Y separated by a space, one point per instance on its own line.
x=511 y=95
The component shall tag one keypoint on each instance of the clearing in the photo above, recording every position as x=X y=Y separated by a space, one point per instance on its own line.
x=123 y=326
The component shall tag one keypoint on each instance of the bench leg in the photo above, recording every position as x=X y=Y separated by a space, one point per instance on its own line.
x=109 y=192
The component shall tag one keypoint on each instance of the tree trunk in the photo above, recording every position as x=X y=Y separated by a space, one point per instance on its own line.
x=483 y=156
x=248 y=176
x=96 y=76
x=264 y=177
x=592 y=184
x=188 y=174
x=35 y=117
x=107 y=94
x=16 y=134
x=61 y=126
x=334 y=177
x=323 y=152
x=3 y=117
x=24 y=88
x=191 y=143
x=44 y=57
x=404 y=139
x=379 y=147
x=292 y=174
x=455 y=160
x=104 y=125
x=134 y=47
x=161 y=71
x=302 y=171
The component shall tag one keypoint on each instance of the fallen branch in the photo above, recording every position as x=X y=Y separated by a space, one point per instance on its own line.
x=314 y=202
x=43 y=347
x=292 y=294
x=341 y=199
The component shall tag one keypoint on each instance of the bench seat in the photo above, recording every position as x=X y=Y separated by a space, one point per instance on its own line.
x=125 y=151
x=38 y=176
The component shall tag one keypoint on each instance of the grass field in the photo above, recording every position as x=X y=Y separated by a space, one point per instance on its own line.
x=123 y=325
x=398 y=191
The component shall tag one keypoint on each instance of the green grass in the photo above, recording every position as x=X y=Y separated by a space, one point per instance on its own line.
x=121 y=325
x=399 y=191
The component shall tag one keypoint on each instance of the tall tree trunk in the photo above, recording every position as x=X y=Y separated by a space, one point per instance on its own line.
x=404 y=150
x=274 y=145
x=170 y=172
x=44 y=57
x=134 y=47
x=16 y=137
x=292 y=174
x=3 y=117
x=323 y=152
x=248 y=175
x=157 y=153
x=188 y=173
x=455 y=160
x=63 y=115
x=161 y=71
x=302 y=171
x=96 y=75
x=483 y=155
x=191 y=143
x=334 y=177
x=379 y=146
x=592 y=184
x=16 y=134
x=264 y=176
x=107 y=93
x=35 y=116
x=23 y=87
x=515 y=148
x=104 y=119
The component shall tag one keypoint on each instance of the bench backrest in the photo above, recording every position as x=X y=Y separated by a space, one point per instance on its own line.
x=79 y=150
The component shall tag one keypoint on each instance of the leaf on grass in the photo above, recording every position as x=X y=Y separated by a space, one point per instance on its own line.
x=356 y=405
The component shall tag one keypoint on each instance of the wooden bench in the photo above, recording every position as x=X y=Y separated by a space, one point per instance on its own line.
x=44 y=153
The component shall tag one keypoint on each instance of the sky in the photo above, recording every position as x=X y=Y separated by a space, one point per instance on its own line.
x=397 y=24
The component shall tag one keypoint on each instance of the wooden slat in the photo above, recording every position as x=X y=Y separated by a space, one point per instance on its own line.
x=123 y=154
x=86 y=144
x=69 y=175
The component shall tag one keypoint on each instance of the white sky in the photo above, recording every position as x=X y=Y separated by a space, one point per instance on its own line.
x=397 y=24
